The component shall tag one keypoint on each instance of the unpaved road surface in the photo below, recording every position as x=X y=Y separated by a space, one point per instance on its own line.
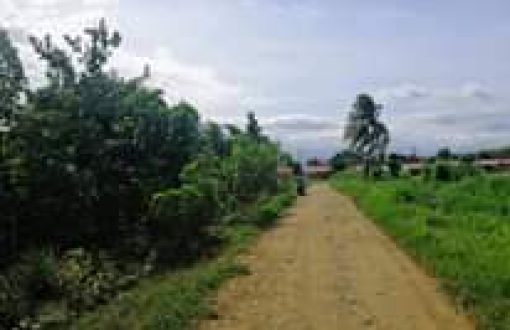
x=327 y=267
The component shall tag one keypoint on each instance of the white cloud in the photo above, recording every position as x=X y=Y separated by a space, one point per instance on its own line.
x=475 y=90
x=305 y=135
x=409 y=91
x=467 y=117
x=301 y=122
x=55 y=17
x=403 y=91
x=197 y=84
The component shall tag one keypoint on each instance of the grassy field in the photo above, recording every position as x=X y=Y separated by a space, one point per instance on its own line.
x=173 y=300
x=459 y=231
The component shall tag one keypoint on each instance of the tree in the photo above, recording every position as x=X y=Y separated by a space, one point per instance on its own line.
x=12 y=79
x=252 y=127
x=342 y=159
x=367 y=135
x=215 y=140
x=394 y=165
x=12 y=87
x=444 y=153
x=286 y=159
x=103 y=166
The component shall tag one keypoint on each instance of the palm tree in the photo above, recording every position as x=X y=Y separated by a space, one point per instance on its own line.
x=367 y=136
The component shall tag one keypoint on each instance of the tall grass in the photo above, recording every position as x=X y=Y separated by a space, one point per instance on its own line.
x=460 y=231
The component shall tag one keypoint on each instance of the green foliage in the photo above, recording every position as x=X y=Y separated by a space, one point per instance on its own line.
x=32 y=279
x=342 y=159
x=445 y=171
x=449 y=170
x=394 y=165
x=459 y=230
x=172 y=300
x=269 y=210
x=12 y=79
x=252 y=167
x=179 y=218
x=286 y=159
x=252 y=128
x=104 y=172
x=444 y=153
x=87 y=280
x=367 y=136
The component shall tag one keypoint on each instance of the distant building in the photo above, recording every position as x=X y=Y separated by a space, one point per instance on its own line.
x=318 y=171
x=494 y=164
x=284 y=171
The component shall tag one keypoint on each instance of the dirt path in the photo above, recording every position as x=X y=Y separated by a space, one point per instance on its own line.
x=327 y=267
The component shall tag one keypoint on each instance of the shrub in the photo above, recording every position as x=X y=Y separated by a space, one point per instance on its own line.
x=24 y=284
x=445 y=172
x=269 y=210
x=86 y=280
x=394 y=165
x=178 y=221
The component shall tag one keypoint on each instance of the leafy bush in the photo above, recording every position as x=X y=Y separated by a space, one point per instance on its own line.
x=268 y=211
x=102 y=170
x=178 y=219
x=394 y=165
x=86 y=280
x=446 y=172
x=24 y=284
x=172 y=300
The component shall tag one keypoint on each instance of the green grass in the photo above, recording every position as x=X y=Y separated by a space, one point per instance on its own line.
x=173 y=300
x=459 y=231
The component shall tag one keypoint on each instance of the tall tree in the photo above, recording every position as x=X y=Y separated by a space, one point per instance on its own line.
x=12 y=78
x=12 y=87
x=366 y=134
x=252 y=128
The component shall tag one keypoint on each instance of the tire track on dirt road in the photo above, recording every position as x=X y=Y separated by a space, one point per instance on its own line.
x=325 y=266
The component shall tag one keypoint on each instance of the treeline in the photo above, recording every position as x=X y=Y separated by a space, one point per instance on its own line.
x=96 y=168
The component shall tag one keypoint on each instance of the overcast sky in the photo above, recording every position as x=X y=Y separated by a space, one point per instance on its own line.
x=441 y=68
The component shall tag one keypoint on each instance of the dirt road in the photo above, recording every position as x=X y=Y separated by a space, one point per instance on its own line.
x=327 y=267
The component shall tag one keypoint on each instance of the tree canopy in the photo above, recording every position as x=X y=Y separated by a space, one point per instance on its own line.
x=366 y=134
x=99 y=165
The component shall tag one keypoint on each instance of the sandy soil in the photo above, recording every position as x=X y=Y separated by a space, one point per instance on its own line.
x=327 y=267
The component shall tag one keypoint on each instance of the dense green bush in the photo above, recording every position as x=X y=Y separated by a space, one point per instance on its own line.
x=101 y=171
x=449 y=171
x=24 y=284
x=179 y=218
x=269 y=210
x=444 y=171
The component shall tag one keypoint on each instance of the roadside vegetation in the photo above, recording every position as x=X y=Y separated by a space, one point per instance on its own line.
x=104 y=185
x=176 y=299
x=450 y=214
x=458 y=229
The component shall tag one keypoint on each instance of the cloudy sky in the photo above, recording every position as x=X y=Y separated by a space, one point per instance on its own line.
x=441 y=68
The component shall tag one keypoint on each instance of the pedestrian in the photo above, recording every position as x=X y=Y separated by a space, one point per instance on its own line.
x=299 y=175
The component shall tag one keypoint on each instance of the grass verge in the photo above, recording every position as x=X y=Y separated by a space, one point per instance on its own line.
x=459 y=231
